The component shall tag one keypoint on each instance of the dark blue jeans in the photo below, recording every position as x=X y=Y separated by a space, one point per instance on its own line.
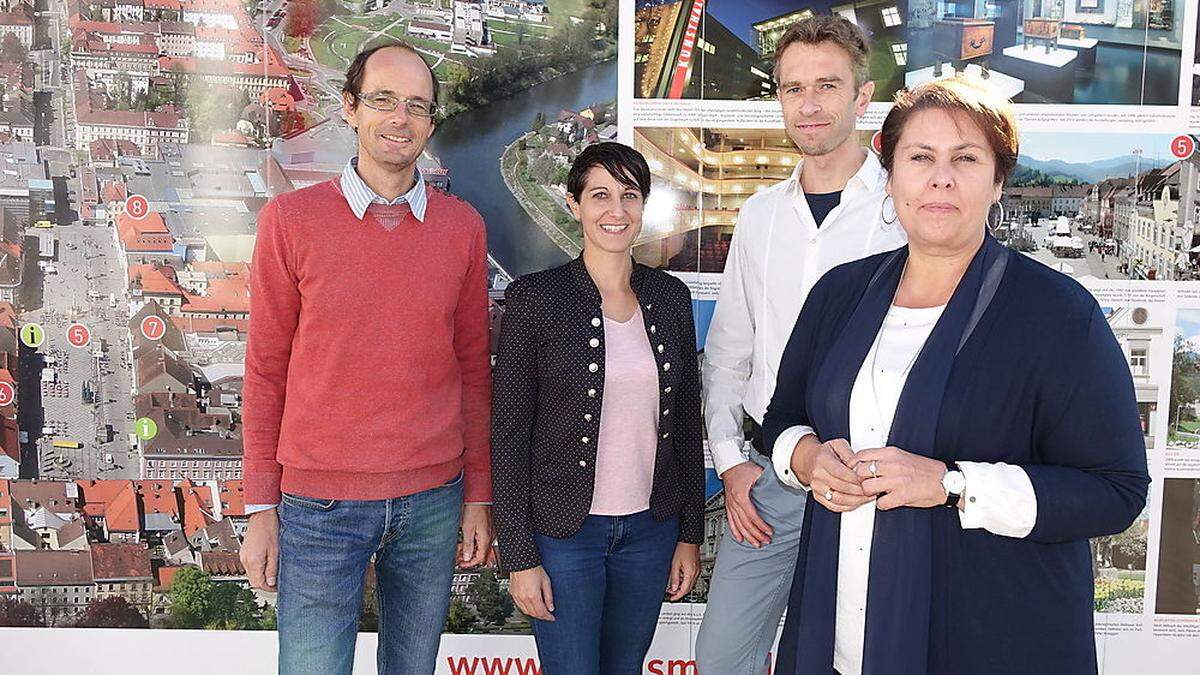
x=324 y=548
x=608 y=581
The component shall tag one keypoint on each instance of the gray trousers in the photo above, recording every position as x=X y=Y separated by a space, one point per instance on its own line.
x=750 y=586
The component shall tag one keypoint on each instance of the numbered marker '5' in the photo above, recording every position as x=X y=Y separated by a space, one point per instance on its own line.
x=1183 y=146
x=79 y=335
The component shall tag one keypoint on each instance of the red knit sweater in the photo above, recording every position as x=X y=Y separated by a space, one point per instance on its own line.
x=367 y=366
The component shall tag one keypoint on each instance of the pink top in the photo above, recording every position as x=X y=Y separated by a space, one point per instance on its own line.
x=628 y=420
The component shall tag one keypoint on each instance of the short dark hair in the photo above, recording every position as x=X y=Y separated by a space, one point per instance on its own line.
x=835 y=29
x=619 y=160
x=990 y=111
x=358 y=68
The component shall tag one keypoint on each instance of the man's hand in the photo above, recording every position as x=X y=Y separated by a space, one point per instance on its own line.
x=260 y=550
x=530 y=589
x=476 y=534
x=744 y=522
x=826 y=469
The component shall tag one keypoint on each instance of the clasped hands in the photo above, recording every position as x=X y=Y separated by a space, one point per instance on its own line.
x=842 y=480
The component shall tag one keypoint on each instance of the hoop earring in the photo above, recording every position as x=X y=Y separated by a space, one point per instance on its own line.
x=1000 y=220
x=883 y=210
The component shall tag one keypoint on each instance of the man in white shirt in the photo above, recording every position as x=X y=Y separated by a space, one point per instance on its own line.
x=828 y=212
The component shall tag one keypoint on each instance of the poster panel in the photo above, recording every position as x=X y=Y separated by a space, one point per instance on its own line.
x=139 y=139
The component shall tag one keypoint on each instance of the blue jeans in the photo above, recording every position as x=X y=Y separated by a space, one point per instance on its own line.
x=608 y=582
x=324 y=548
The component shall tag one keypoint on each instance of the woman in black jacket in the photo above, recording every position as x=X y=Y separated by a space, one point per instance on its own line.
x=597 y=460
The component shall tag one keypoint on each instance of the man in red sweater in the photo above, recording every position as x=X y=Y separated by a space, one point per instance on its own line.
x=367 y=388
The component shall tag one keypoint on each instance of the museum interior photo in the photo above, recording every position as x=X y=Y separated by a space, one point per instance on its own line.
x=1124 y=52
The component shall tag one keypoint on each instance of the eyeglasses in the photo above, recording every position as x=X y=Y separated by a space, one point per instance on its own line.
x=384 y=102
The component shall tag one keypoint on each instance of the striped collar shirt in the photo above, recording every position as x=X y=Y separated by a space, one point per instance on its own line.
x=360 y=195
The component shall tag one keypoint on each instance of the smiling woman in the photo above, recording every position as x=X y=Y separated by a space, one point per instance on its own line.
x=597 y=460
x=607 y=192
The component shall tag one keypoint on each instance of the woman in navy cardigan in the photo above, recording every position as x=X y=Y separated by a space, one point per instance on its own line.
x=965 y=419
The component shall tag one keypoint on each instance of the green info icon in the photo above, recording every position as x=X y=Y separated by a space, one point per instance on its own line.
x=145 y=428
x=33 y=335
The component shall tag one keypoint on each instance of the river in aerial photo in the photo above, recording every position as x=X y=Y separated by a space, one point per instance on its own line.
x=470 y=145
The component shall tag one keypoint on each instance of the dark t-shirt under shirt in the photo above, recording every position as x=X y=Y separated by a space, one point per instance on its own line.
x=821 y=204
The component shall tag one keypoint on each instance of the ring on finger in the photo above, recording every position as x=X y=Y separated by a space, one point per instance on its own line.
x=874 y=469
x=829 y=495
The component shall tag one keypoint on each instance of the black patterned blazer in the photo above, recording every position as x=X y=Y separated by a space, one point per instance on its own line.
x=547 y=393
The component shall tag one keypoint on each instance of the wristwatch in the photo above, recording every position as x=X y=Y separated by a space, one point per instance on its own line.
x=955 y=483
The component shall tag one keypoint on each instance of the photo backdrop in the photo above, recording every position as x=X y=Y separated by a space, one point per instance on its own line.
x=139 y=139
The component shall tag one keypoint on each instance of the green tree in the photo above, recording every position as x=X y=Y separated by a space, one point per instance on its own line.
x=604 y=12
x=191 y=598
x=120 y=94
x=493 y=605
x=368 y=618
x=542 y=169
x=1184 y=369
x=233 y=607
x=568 y=48
x=157 y=97
x=270 y=620
x=212 y=108
x=539 y=121
x=460 y=619
x=199 y=602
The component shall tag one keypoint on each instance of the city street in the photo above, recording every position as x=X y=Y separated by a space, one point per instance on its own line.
x=1092 y=264
x=53 y=407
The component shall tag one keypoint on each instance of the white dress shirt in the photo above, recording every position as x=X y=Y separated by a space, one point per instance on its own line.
x=778 y=253
x=999 y=497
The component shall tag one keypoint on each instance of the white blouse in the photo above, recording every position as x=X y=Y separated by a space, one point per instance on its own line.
x=999 y=497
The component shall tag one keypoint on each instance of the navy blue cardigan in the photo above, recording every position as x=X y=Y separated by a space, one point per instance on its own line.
x=1039 y=382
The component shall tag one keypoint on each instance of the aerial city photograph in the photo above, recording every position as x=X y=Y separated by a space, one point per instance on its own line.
x=138 y=141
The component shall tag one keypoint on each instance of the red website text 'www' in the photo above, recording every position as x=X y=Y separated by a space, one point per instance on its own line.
x=500 y=665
